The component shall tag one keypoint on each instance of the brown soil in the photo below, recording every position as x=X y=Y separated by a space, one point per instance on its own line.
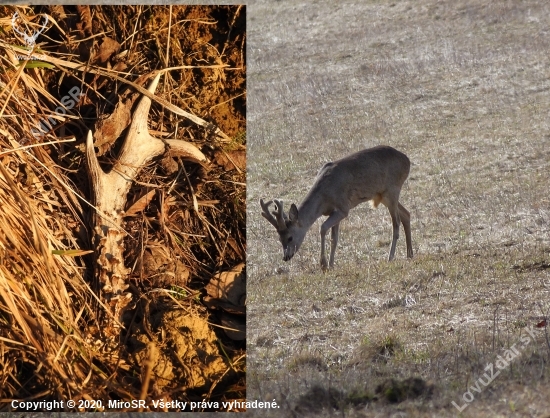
x=189 y=224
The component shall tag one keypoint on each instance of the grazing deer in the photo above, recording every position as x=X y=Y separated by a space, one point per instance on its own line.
x=374 y=174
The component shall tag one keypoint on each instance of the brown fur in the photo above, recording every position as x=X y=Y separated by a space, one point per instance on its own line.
x=374 y=174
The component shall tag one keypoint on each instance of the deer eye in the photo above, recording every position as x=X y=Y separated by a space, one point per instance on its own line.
x=289 y=239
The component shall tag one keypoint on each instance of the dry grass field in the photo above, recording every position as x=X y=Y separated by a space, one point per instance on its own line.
x=463 y=88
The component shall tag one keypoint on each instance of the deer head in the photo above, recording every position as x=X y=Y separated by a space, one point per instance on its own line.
x=291 y=231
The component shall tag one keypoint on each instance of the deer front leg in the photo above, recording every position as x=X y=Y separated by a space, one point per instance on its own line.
x=332 y=221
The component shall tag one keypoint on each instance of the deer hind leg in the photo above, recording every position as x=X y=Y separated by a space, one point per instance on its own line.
x=333 y=242
x=395 y=223
x=391 y=201
x=406 y=221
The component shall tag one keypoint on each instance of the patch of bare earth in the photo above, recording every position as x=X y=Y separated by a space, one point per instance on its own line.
x=463 y=89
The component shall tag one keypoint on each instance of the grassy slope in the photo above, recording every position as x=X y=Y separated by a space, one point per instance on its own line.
x=463 y=89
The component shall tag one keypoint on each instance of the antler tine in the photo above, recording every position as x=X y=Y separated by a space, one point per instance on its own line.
x=280 y=214
x=267 y=214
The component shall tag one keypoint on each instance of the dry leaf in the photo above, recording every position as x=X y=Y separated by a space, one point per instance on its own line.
x=229 y=286
x=231 y=160
x=85 y=19
x=237 y=325
x=227 y=291
x=228 y=307
x=141 y=203
x=109 y=129
x=107 y=49
x=161 y=269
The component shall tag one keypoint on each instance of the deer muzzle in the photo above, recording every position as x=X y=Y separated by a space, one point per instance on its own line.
x=289 y=252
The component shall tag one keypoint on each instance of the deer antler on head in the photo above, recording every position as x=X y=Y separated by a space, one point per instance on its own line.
x=280 y=214
x=279 y=220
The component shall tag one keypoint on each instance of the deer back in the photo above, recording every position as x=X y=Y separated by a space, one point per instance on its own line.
x=360 y=177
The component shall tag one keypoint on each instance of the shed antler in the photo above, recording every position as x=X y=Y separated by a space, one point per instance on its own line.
x=110 y=191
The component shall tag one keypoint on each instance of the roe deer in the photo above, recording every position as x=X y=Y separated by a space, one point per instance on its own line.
x=374 y=174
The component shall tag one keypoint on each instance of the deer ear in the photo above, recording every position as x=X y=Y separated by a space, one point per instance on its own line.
x=293 y=213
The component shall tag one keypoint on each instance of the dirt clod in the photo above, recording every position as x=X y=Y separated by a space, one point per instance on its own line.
x=186 y=350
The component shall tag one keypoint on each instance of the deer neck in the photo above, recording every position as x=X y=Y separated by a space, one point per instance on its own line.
x=310 y=209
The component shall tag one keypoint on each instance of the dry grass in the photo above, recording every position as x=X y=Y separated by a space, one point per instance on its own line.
x=461 y=88
x=49 y=311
